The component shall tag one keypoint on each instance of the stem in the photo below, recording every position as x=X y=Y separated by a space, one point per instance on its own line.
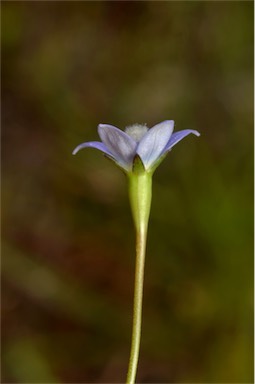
x=140 y=199
x=137 y=311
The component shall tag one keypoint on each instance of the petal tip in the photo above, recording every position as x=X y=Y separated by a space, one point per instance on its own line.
x=75 y=151
x=168 y=122
x=101 y=125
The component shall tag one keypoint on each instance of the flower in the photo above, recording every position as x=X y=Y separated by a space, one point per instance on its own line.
x=151 y=145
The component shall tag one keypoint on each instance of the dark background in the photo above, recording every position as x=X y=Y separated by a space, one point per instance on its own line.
x=68 y=238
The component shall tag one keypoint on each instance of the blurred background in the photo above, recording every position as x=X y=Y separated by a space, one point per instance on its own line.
x=68 y=239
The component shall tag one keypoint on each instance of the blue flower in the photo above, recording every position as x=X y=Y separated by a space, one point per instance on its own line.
x=151 y=145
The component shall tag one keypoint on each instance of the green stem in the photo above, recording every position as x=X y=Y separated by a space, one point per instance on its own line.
x=140 y=199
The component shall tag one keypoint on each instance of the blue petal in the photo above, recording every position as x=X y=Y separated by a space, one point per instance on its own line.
x=122 y=146
x=154 y=142
x=93 y=144
x=178 y=136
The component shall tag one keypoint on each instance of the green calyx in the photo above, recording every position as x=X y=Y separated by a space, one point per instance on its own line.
x=140 y=189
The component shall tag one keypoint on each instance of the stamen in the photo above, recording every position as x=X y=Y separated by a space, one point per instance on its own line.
x=136 y=131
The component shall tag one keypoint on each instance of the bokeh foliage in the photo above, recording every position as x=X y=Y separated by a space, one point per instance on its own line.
x=68 y=242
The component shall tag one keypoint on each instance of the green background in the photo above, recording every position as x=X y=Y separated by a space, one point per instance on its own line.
x=68 y=238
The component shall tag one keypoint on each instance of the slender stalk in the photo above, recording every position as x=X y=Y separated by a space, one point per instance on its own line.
x=140 y=199
x=137 y=311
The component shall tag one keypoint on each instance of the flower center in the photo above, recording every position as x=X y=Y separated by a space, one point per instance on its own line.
x=136 y=131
